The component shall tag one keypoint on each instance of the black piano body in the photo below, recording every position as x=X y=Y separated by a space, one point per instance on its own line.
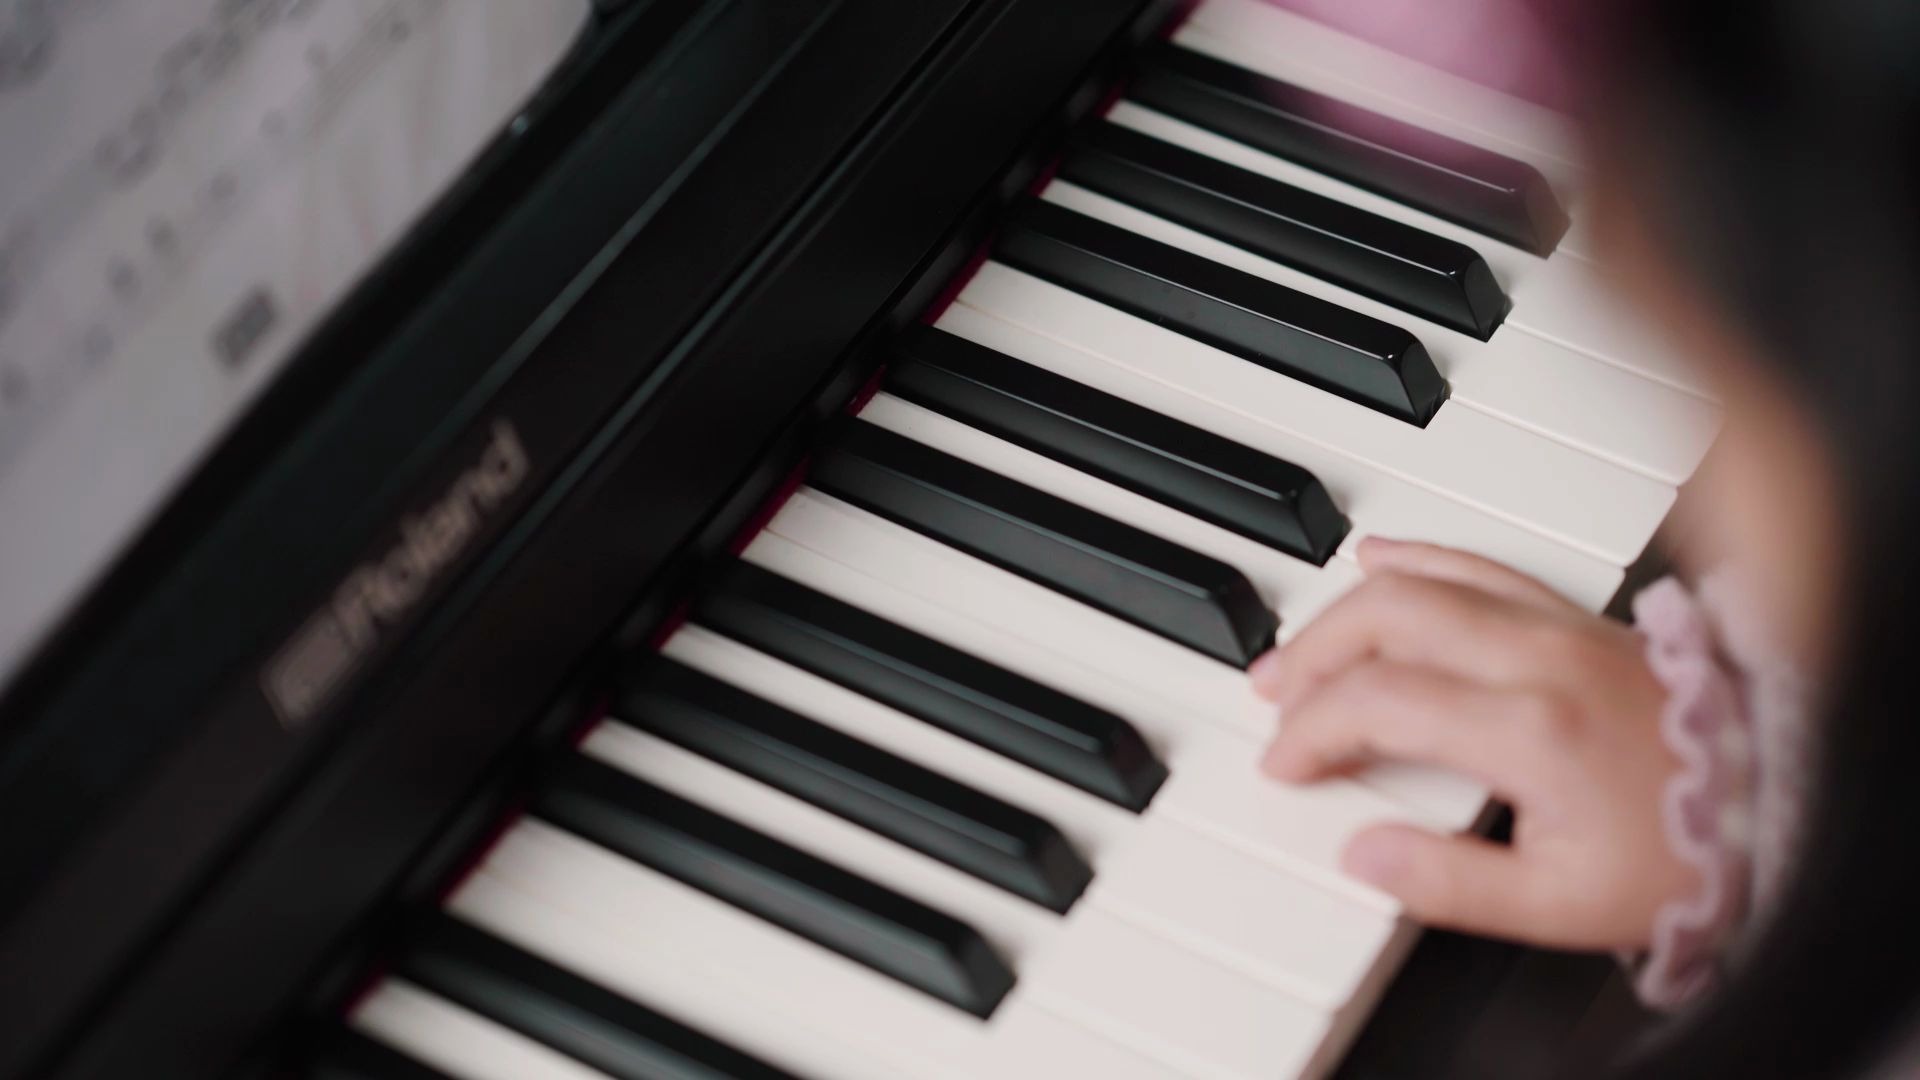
x=603 y=352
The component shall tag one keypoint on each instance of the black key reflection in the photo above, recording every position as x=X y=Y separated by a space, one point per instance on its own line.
x=1359 y=358
x=981 y=702
x=1180 y=594
x=1490 y=193
x=1227 y=483
x=1390 y=261
x=959 y=825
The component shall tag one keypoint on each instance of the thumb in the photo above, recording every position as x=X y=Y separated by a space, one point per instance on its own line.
x=1458 y=882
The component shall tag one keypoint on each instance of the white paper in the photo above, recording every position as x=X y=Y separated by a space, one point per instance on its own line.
x=186 y=188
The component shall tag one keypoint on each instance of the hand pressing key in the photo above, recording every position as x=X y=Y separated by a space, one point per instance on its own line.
x=1445 y=658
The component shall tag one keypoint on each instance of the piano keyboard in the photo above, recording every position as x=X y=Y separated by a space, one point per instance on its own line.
x=953 y=773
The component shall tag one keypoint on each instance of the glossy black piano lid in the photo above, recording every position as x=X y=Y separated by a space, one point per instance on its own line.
x=853 y=179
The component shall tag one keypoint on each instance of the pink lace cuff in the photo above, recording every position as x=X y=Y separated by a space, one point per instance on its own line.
x=1705 y=805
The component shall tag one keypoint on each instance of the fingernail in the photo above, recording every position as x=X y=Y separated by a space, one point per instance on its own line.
x=1270 y=760
x=1374 y=859
x=1277 y=763
x=1370 y=545
x=1264 y=670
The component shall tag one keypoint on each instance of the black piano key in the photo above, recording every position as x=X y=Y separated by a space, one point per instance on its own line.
x=1017 y=717
x=561 y=1010
x=1222 y=481
x=1490 y=193
x=565 y=1011
x=1390 y=261
x=345 y=1054
x=856 y=918
x=1180 y=594
x=963 y=827
x=1360 y=358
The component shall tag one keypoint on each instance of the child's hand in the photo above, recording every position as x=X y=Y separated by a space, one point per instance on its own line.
x=1449 y=659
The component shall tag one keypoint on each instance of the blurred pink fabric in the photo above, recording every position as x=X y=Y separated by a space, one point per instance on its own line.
x=1504 y=44
x=1736 y=717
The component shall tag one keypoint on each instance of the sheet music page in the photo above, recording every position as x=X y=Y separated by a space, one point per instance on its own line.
x=186 y=188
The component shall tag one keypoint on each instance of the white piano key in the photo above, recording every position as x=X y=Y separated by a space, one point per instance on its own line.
x=1138 y=1002
x=1593 y=406
x=1444 y=803
x=1210 y=746
x=1291 y=47
x=1448 y=801
x=461 y=1043
x=1568 y=301
x=1315 y=943
x=1575 y=305
x=1296 y=590
x=1209 y=765
x=755 y=985
x=1378 y=502
x=1218 y=789
x=1160 y=720
x=1035 y=1041
x=1473 y=457
x=1143 y=991
x=1219 y=693
x=1091 y=824
x=1454 y=800
x=1579 y=240
x=1028 y=1041
x=1013 y=926
x=1219 y=902
x=681 y=964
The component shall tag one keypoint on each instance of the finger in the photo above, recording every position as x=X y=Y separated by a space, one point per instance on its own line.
x=1409 y=619
x=1383 y=711
x=1460 y=883
x=1377 y=554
